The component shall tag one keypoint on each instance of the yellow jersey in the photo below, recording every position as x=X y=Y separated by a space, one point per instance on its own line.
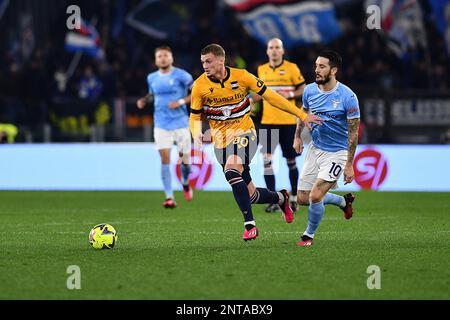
x=226 y=104
x=284 y=77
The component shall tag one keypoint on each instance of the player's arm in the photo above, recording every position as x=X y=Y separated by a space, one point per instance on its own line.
x=195 y=117
x=256 y=97
x=258 y=86
x=352 y=108
x=353 y=125
x=188 y=82
x=283 y=104
x=288 y=95
x=149 y=97
x=298 y=143
x=144 y=100
x=298 y=92
x=299 y=83
x=180 y=102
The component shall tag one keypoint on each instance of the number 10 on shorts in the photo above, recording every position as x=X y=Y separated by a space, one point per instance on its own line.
x=335 y=169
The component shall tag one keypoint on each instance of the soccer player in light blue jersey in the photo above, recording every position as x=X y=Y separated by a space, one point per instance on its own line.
x=333 y=144
x=169 y=88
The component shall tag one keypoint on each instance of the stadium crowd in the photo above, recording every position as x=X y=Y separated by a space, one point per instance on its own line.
x=33 y=66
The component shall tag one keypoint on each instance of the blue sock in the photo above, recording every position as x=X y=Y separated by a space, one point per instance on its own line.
x=185 y=171
x=241 y=195
x=167 y=180
x=315 y=215
x=331 y=198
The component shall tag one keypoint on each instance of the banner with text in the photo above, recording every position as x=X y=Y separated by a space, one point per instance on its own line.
x=113 y=167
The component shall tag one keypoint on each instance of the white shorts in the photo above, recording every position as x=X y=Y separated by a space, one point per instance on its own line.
x=166 y=138
x=324 y=165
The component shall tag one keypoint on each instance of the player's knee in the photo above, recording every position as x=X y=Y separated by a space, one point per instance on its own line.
x=233 y=176
x=303 y=198
x=267 y=159
x=165 y=157
x=315 y=196
x=234 y=161
x=185 y=158
x=291 y=163
x=233 y=166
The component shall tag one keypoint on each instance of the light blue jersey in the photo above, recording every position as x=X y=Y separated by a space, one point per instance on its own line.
x=335 y=107
x=167 y=87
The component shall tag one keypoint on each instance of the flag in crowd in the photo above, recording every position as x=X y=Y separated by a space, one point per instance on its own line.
x=294 y=22
x=85 y=39
x=402 y=23
x=441 y=17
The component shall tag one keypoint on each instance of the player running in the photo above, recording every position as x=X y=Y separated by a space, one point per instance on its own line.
x=222 y=95
x=169 y=87
x=333 y=145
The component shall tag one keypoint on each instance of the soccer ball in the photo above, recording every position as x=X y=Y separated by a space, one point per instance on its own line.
x=103 y=236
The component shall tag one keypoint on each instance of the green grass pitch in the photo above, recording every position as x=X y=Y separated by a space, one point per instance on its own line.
x=196 y=251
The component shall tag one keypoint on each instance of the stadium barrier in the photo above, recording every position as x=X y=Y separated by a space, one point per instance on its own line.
x=136 y=166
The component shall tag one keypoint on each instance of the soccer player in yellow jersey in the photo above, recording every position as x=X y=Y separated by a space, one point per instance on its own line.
x=222 y=95
x=279 y=126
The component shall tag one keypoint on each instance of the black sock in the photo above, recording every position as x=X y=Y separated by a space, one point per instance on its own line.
x=240 y=193
x=269 y=177
x=270 y=182
x=293 y=176
x=263 y=195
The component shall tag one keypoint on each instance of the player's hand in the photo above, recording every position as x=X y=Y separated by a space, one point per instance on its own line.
x=174 y=105
x=298 y=145
x=349 y=173
x=311 y=118
x=140 y=103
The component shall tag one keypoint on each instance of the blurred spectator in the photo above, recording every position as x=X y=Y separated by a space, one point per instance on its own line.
x=59 y=87
x=37 y=90
x=3 y=137
x=108 y=81
x=445 y=137
x=8 y=133
x=34 y=62
x=89 y=87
